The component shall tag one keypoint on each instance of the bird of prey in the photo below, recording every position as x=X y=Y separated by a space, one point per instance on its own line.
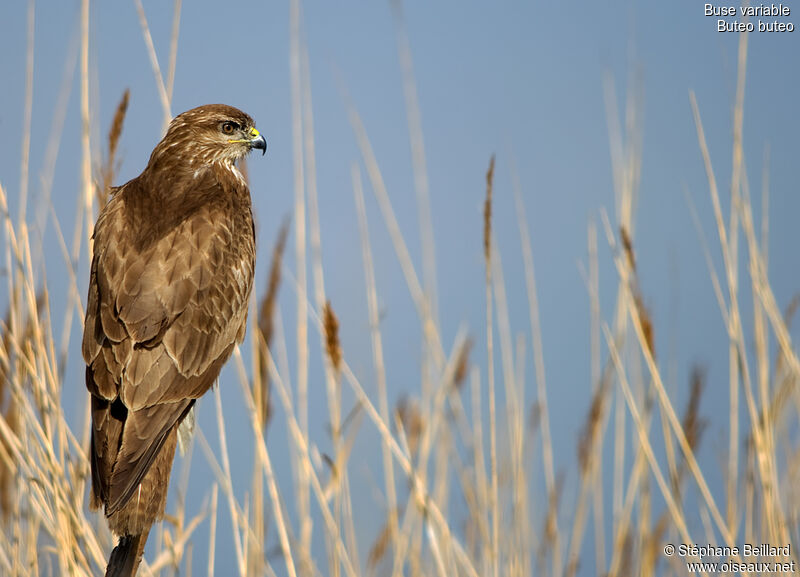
x=171 y=275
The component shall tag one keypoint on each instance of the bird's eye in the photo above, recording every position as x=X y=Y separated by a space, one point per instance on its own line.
x=228 y=127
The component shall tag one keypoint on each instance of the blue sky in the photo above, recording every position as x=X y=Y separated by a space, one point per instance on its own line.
x=523 y=80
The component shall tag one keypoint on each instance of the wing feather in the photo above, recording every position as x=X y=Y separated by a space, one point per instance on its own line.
x=163 y=315
x=144 y=434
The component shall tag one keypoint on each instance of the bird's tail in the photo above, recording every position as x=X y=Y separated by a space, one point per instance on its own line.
x=126 y=556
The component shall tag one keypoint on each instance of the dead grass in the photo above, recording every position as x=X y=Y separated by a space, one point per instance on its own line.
x=266 y=325
x=109 y=170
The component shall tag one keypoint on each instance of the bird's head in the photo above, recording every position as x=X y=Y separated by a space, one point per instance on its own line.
x=211 y=133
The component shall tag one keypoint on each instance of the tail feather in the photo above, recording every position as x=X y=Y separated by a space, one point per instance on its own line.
x=126 y=556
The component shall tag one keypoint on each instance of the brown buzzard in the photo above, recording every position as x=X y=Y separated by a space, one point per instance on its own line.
x=174 y=253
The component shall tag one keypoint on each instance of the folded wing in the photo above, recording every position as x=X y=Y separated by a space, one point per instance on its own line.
x=163 y=316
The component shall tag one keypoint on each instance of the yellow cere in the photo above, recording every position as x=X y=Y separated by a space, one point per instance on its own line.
x=253 y=132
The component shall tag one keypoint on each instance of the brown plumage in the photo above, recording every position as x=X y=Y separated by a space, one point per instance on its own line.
x=174 y=254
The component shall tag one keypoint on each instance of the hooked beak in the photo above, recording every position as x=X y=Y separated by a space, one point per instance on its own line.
x=258 y=141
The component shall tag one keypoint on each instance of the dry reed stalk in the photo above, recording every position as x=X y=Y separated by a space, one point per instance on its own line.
x=712 y=273
x=44 y=201
x=296 y=75
x=421 y=185
x=593 y=282
x=620 y=417
x=333 y=350
x=238 y=513
x=212 y=529
x=264 y=463
x=750 y=505
x=377 y=354
x=8 y=407
x=781 y=373
x=409 y=418
x=757 y=269
x=761 y=419
x=420 y=172
x=775 y=522
x=172 y=554
x=591 y=427
x=481 y=512
x=640 y=481
x=655 y=542
x=760 y=337
x=347 y=511
x=458 y=420
x=693 y=424
x=28 y=113
x=108 y=172
x=549 y=530
x=151 y=52
x=627 y=560
x=114 y=134
x=310 y=165
x=173 y=47
x=627 y=247
x=407 y=547
x=625 y=164
x=401 y=250
x=487 y=255
x=594 y=426
x=177 y=519
x=430 y=330
x=589 y=453
x=443 y=487
x=437 y=417
x=538 y=352
x=487 y=215
x=331 y=376
x=409 y=415
x=380 y=546
x=437 y=555
x=304 y=460
x=54 y=140
x=514 y=416
x=422 y=497
x=266 y=313
x=35 y=437
x=638 y=300
x=330 y=325
x=629 y=289
x=669 y=411
x=86 y=158
x=474 y=527
x=675 y=512
x=259 y=389
x=644 y=518
x=241 y=562
x=620 y=555
x=8 y=487
x=462 y=366
x=733 y=275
